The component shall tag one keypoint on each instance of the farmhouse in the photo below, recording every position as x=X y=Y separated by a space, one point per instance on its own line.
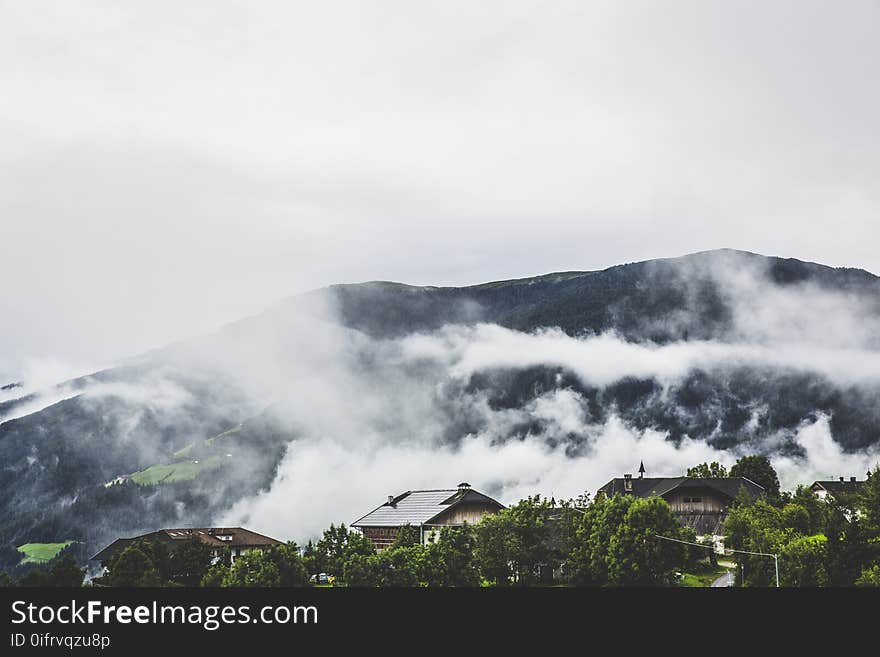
x=698 y=502
x=427 y=510
x=237 y=539
x=835 y=487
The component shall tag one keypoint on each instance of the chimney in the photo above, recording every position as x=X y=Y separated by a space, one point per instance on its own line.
x=464 y=486
x=852 y=478
x=391 y=499
x=627 y=483
x=841 y=478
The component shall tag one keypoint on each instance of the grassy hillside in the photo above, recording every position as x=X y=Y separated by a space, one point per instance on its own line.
x=41 y=552
x=192 y=460
x=180 y=471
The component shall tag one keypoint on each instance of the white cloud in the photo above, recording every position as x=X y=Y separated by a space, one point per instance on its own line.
x=322 y=480
x=367 y=431
x=604 y=359
x=161 y=177
x=824 y=458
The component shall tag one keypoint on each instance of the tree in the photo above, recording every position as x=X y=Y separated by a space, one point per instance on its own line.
x=757 y=468
x=869 y=577
x=357 y=544
x=36 y=576
x=492 y=553
x=451 y=561
x=816 y=509
x=818 y=543
x=407 y=536
x=618 y=543
x=189 y=562
x=65 y=573
x=530 y=547
x=291 y=569
x=335 y=547
x=133 y=566
x=567 y=519
x=401 y=566
x=311 y=559
x=252 y=569
x=756 y=527
x=848 y=550
x=705 y=470
x=868 y=502
x=514 y=544
x=328 y=552
x=607 y=515
x=796 y=517
x=802 y=561
x=581 y=570
x=362 y=570
x=62 y=571
x=392 y=567
x=215 y=575
x=636 y=556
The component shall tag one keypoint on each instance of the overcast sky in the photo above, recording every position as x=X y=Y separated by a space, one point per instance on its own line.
x=166 y=167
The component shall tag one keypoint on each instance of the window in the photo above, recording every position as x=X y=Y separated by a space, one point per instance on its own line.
x=693 y=499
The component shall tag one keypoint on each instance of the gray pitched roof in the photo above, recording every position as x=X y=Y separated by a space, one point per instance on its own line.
x=419 y=507
x=839 y=487
x=641 y=487
x=647 y=486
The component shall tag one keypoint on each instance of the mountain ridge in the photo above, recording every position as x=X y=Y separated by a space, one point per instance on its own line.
x=165 y=405
x=577 y=272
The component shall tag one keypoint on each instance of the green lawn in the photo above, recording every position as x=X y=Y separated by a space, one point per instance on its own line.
x=702 y=576
x=181 y=471
x=41 y=552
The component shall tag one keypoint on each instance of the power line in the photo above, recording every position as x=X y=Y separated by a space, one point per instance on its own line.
x=666 y=538
x=712 y=547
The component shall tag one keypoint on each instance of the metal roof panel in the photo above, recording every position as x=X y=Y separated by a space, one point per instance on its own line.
x=414 y=508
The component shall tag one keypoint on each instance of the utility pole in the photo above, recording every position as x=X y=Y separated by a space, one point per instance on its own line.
x=763 y=554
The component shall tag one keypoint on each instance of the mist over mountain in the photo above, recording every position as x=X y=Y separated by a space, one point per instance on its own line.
x=305 y=414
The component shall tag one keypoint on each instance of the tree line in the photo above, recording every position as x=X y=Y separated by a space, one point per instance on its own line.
x=604 y=541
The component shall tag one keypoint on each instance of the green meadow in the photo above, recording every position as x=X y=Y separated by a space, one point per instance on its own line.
x=41 y=552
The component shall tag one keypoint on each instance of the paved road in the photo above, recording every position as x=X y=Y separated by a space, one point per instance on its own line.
x=725 y=581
